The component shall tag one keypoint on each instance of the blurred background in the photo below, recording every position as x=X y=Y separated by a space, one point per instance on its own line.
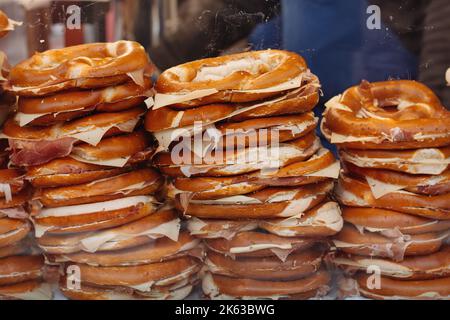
x=342 y=41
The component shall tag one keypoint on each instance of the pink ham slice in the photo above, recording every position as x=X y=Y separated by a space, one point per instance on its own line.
x=32 y=153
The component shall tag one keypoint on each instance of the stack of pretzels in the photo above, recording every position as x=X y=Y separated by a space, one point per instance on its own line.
x=394 y=143
x=22 y=269
x=236 y=136
x=96 y=204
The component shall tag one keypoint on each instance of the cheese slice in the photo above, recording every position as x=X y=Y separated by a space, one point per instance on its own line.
x=115 y=162
x=163 y=100
x=258 y=247
x=380 y=189
x=331 y=171
x=95 y=207
x=5 y=188
x=335 y=103
x=166 y=137
x=137 y=77
x=339 y=138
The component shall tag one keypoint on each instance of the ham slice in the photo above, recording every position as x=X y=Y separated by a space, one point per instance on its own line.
x=31 y=153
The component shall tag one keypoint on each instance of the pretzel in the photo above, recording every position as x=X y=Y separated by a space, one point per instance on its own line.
x=234 y=78
x=257 y=244
x=141 y=277
x=37 y=145
x=168 y=118
x=177 y=291
x=111 y=157
x=226 y=288
x=419 y=184
x=134 y=183
x=391 y=222
x=432 y=161
x=394 y=289
x=65 y=106
x=354 y=192
x=17 y=269
x=362 y=117
x=163 y=223
x=6 y=24
x=374 y=244
x=297 y=265
x=13 y=231
x=94 y=65
x=296 y=174
x=435 y=265
x=92 y=216
x=321 y=221
x=27 y=290
x=239 y=162
x=268 y=203
x=162 y=249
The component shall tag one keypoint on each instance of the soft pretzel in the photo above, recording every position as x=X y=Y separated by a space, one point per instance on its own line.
x=268 y=203
x=375 y=244
x=93 y=216
x=6 y=24
x=432 y=161
x=134 y=183
x=163 y=223
x=391 y=222
x=420 y=184
x=357 y=193
x=239 y=162
x=321 y=221
x=233 y=78
x=362 y=117
x=68 y=171
x=297 y=265
x=27 y=290
x=296 y=174
x=112 y=156
x=435 y=265
x=226 y=288
x=12 y=231
x=141 y=277
x=87 y=61
x=37 y=145
x=213 y=229
x=395 y=289
x=17 y=269
x=162 y=249
x=258 y=244
x=177 y=291
x=69 y=105
x=168 y=118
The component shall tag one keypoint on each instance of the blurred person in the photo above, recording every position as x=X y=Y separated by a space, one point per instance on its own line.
x=413 y=41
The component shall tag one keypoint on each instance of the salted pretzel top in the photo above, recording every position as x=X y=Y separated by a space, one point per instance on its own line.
x=243 y=71
x=94 y=60
x=392 y=114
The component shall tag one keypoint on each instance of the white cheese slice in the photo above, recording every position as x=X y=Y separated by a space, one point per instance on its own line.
x=163 y=100
x=116 y=162
x=331 y=171
x=95 y=207
x=5 y=188
x=380 y=189
x=137 y=77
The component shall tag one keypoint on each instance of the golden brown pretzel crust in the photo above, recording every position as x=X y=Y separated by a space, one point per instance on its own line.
x=433 y=207
x=273 y=67
x=95 y=60
x=69 y=105
x=419 y=120
x=399 y=289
